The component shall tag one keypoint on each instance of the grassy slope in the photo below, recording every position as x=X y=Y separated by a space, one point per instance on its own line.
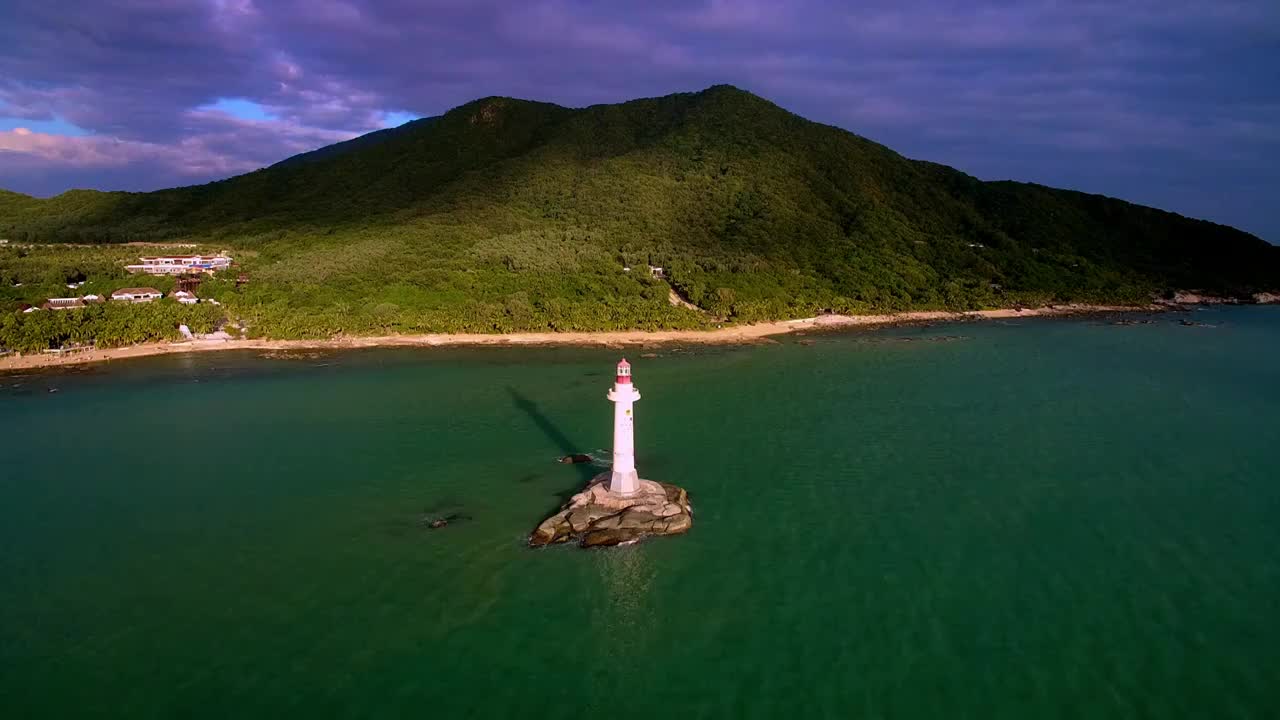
x=508 y=215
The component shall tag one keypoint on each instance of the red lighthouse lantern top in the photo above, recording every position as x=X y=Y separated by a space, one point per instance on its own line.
x=624 y=371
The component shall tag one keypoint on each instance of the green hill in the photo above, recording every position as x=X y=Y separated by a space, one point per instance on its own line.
x=507 y=215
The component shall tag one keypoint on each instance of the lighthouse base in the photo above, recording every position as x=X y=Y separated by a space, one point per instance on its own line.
x=624 y=484
x=598 y=517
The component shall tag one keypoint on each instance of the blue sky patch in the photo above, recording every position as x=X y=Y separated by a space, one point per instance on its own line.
x=56 y=126
x=240 y=108
x=397 y=118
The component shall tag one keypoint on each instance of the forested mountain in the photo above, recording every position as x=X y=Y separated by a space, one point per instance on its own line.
x=507 y=214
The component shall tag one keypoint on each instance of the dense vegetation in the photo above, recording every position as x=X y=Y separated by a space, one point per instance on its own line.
x=106 y=325
x=506 y=215
x=28 y=276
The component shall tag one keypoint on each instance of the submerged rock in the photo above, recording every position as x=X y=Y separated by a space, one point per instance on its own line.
x=595 y=518
x=435 y=522
x=575 y=459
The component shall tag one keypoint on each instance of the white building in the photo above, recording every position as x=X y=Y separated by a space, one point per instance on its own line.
x=63 y=303
x=625 y=480
x=137 y=294
x=178 y=264
x=184 y=297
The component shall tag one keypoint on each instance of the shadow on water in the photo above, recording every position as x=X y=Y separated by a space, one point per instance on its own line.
x=584 y=471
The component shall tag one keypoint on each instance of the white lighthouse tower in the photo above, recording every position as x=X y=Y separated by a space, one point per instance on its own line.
x=625 y=481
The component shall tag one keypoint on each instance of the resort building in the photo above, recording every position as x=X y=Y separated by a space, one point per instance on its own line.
x=184 y=297
x=63 y=303
x=137 y=295
x=178 y=264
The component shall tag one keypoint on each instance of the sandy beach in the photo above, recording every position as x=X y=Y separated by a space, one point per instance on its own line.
x=734 y=334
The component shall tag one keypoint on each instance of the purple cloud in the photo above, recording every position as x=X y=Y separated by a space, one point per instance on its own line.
x=1170 y=103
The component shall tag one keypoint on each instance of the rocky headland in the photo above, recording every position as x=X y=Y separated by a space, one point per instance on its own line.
x=595 y=518
x=1195 y=297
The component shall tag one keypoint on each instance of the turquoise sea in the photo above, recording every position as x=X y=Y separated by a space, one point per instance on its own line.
x=1023 y=519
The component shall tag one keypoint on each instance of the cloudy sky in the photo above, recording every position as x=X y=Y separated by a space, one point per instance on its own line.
x=1171 y=103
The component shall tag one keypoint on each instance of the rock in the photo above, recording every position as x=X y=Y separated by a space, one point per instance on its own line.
x=435 y=523
x=582 y=518
x=596 y=518
x=575 y=459
x=607 y=537
x=1184 y=297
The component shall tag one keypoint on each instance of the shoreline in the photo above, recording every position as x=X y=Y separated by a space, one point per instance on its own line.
x=733 y=335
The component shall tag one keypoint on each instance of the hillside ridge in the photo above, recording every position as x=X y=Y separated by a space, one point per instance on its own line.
x=505 y=214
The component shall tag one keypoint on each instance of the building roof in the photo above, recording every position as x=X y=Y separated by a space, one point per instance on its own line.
x=64 y=303
x=136 y=291
x=183 y=257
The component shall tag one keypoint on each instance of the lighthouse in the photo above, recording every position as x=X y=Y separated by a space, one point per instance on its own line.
x=625 y=481
x=618 y=508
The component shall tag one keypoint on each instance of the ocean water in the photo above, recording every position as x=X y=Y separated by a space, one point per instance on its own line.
x=1034 y=518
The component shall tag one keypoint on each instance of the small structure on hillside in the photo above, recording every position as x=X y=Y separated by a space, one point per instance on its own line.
x=657 y=272
x=184 y=297
x=137 y=295
x=618 y=507
x=64 y=303
x=178 y=264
